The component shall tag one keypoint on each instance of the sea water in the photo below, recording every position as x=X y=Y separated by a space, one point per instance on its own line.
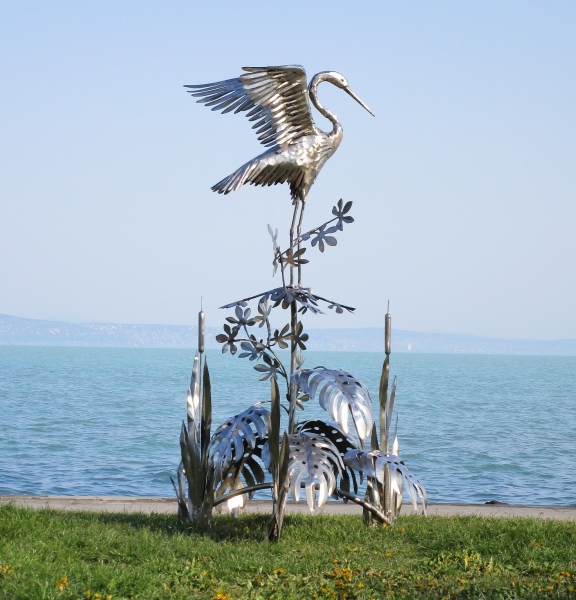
x=106 y=421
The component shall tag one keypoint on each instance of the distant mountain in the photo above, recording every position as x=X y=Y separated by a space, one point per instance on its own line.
x=32 y=332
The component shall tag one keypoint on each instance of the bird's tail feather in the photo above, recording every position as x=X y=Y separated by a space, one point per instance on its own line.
x=245 y=174
x=262 y=172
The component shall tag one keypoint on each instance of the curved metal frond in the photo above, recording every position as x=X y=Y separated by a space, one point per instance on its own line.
x=314 y=461
x=245 y=473
x=339 y=393
x=332 y=431
x=343 y=442
x=236 y=437
x=374 y=463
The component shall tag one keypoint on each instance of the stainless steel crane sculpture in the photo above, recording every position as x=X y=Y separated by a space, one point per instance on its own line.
x=320 y=456
x=277 y=98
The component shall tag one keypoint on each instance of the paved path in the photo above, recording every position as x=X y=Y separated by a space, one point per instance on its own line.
x=115 y=504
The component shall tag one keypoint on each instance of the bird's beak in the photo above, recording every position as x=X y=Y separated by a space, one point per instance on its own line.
x=351 y=93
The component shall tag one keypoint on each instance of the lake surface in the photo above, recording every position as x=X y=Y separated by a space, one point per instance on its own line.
x=106 y=421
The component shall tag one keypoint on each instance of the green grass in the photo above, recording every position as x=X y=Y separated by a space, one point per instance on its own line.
x=50 y=554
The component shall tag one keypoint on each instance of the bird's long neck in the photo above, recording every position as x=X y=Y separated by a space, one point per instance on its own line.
x=313 y=91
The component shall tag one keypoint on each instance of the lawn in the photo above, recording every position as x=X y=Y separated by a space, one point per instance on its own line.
x=50 y=554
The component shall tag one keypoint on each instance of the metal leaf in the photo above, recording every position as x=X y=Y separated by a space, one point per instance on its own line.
x=237 y=436
x=313 y=461
x=206 y=424
x=343 y=442
x=339 y=394
x=332 y=431
x=193 y=399
x=374 y=463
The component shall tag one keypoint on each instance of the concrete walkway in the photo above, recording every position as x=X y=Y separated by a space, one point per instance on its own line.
x=118 y=504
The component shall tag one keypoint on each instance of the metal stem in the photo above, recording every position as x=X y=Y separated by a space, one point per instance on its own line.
x=314 y=231
x=298 y=240
x=293 y=353
x=279 y=254
x=379 y=515
x=246 y=490
x=292 y=237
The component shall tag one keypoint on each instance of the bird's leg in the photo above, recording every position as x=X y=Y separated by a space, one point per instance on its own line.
x=299 y=233
x=296 y=203
x=294 y=319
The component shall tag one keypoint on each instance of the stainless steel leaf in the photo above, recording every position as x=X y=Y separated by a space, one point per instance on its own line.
x=237 y=436
x=316 y=463
x=340 y=394
x=193 y=400
x=374 y=464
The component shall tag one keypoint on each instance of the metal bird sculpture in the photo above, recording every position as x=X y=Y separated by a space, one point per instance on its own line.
x=278 y=99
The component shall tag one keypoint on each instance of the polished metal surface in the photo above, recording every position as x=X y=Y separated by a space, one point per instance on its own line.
x=374 y=464
x=314 y=463
x=340 y=394
x=278 y=101
x=320 y=456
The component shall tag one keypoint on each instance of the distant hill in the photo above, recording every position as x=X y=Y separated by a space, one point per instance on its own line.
x=32 y=332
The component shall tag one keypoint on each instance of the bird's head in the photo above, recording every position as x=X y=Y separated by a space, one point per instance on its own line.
x=341 y=82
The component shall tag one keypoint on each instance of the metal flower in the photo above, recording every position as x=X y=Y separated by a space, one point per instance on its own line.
x=228 y=338
x=298 y=337
x=264 y=311
x=322 y=237
x=280 y=337
x=340 y=393
x=340 y=211
x=252 y=350
x=242 y=318
x=294 y=259
x=272 y=367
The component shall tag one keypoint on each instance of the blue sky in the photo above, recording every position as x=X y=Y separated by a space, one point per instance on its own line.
x=463 y=185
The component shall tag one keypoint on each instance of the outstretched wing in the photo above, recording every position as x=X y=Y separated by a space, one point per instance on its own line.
x=276 y=98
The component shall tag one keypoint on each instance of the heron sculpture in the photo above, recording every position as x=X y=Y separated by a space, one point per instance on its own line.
x=277 y=98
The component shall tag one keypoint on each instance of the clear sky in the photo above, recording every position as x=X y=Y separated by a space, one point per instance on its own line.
x=463 y=185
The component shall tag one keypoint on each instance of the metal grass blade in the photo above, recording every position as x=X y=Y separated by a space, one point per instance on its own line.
x=388 y=416
x=193 y=399
x=206 y=416
x=383 y=399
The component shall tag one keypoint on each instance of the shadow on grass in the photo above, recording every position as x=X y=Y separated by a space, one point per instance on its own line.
x=248 y=527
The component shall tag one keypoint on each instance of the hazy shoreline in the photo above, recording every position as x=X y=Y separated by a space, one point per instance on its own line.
x=19 y=331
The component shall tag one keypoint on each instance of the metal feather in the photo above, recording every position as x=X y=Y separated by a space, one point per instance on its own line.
x=278 y=99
